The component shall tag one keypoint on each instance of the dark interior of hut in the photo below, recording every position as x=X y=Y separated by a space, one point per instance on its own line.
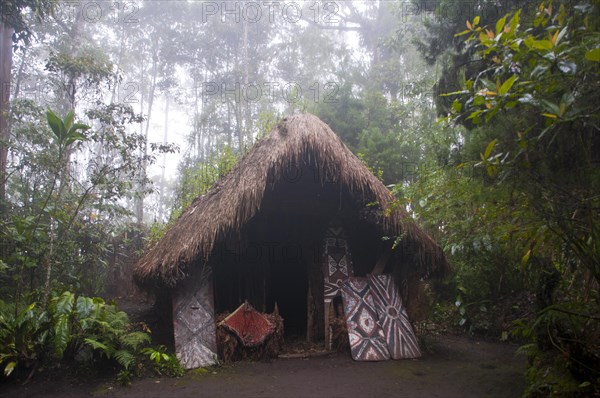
x=277 y=257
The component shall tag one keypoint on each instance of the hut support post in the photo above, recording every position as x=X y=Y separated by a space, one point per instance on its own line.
x=310 y=316
x=327 y=331
x=314 y=317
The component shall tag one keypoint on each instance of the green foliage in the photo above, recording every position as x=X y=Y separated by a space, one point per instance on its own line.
x=549 y=376
x=59 y=223
x=90 y=63
x=65 y=131
x=472 y=220
x=521 y=208
x=22 y=336
x=82 y=328
x=163 y=363
x=389 y=135
x=196 y=179
x=267 y=122
x=546 y=86
x=13 y=14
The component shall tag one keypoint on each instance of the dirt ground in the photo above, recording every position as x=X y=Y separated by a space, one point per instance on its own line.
x=452 y=367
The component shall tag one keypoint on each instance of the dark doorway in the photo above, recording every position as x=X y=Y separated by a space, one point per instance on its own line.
x=289 y=287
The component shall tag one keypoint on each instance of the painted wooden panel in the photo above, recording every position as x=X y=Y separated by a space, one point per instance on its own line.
x=367 y=341
x=337 y=262
x=194 y=321
x=337 y=268
x=399 y=335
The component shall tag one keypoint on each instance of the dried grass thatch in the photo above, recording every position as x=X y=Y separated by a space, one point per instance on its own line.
x=237 y=197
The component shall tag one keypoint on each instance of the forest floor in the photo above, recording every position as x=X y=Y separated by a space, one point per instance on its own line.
x=453 y=366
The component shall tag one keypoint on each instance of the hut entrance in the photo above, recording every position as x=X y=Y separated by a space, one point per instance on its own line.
x=270 y=264
x=277 y=256
x=288 y=288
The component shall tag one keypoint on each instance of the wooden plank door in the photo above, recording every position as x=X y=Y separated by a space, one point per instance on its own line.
x=194 y=321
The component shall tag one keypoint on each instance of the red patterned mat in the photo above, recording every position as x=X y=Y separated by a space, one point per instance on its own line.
x=249 y=325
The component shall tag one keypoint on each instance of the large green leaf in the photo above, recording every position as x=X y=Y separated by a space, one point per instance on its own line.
x=489 y=148
x=500 y=24
x=532 y=43
x=593 y=55
x=72 y=137
x=8 y=369
x=64 y=303
x=62 y=335
x=55 y=124
x=84 y=306
x=68 y=122
x=507 y=85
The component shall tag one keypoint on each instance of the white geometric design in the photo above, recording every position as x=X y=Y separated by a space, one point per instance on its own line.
x=367 y=323
x=334 y=266
x=196 y=356
x=194 y=315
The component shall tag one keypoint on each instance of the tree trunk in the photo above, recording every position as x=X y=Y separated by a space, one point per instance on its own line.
x=20 y=74
x=5 y=67
x=139 y=206
x=247 y=107
x=161 y=207
x=115 y=95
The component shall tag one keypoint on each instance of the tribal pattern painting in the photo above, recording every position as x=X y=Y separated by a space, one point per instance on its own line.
x=337 y=262
x=194 y=321
x=252 y=327
x=399 y=335
x=367 y=341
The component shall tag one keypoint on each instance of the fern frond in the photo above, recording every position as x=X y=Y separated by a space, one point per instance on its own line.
x=135 y=339
x=96 y=345
x=124 y=358
x=527 y=349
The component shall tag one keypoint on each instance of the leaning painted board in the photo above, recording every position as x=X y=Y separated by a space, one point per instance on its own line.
x=367 y=342
x=399 y=335
x=194 y=321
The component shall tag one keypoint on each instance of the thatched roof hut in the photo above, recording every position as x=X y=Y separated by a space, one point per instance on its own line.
x=259 y=233
x=298 y=142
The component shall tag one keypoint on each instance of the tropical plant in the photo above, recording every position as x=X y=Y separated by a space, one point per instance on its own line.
x=164 y=363
x=532 y=116
x=83 y=328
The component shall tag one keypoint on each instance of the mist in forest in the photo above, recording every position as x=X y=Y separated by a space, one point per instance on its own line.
x=208 y=77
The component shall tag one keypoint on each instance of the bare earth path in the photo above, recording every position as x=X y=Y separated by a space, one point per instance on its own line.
x=453 y=367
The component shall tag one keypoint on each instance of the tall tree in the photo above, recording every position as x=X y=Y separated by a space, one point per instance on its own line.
x=14 y=30
x=526 y=187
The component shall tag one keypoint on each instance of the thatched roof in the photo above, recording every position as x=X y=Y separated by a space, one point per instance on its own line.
x=237 y=197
